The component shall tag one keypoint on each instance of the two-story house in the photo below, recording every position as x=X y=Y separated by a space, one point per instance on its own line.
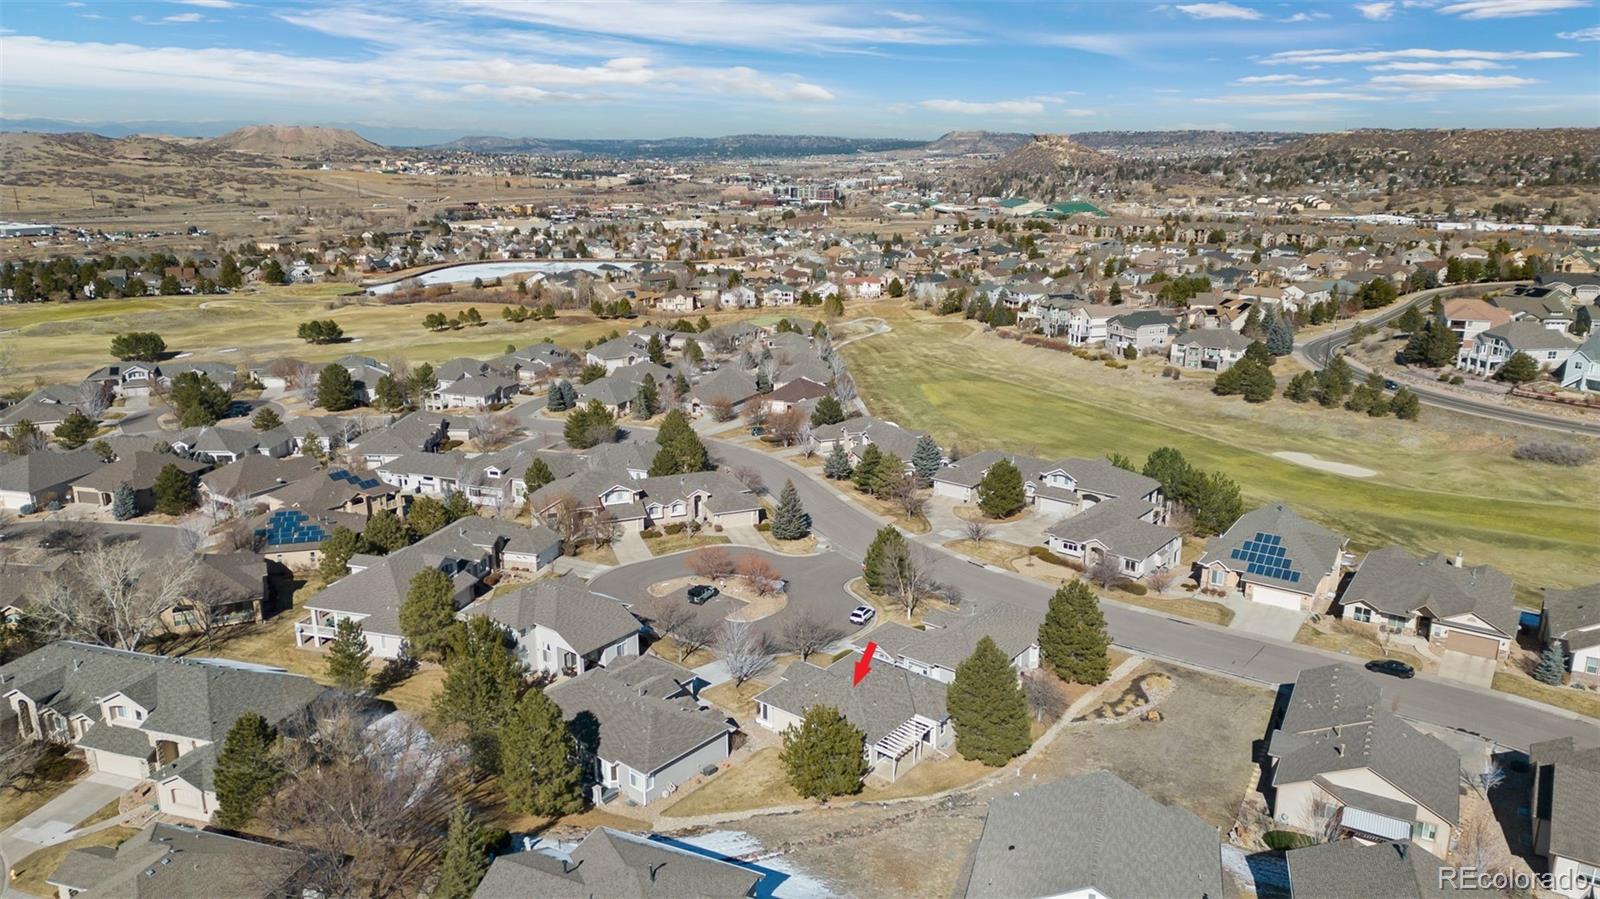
x=1273 y=556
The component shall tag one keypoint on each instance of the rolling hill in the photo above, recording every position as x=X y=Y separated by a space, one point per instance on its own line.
x=300 y=141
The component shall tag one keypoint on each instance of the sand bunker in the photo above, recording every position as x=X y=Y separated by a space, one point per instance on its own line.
x=1340 y=468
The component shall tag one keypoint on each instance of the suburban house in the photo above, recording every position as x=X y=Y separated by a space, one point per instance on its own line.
x=475 y=392
x=1561 y=805
x=1572 y=619
x=903 y=714
x=725 y=385
x=1055 y=489
x=1398 y=870
x=1271 y=555
x=40 y=478
x=1453 y=607
x=1090 y=837
x=853 y=435
x=416 y=432
x=707 y=497
x=372 y=593
x=1470 y=316
x=1088 y=324
x=641 y=727
x=1145 y=331
x=236 y=484
x=805 y=392
x=1548 y=348
x=230 y=588
x=1123 y=530
x=1342 y=765
x=138 y=470
x=615 y=864
x=146 y=717
x=46 y=407
x=174 y=860
x=561 y=628
x=948 y=638
x=618 y=352
x=1582 y=368
x=1208 y=349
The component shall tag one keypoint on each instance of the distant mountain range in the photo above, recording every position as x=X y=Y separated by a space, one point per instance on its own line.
x=735 y=146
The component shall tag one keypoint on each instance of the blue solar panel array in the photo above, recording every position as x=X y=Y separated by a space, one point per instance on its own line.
x=289 y=526
x=339 y=474
x=1264 y=555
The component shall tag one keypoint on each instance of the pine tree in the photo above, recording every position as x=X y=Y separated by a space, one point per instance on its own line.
x=75 y=430
x=925 y=460
x=890 y=470
x=348 y=655
x=1302 y=388
x=124 y=503
x=825 y=755
x=174 y=490
x=465 y=859
x=266 y=419
x=1519 y=369
x=886 y=543
x=537 y=475
x=987 y=707
x=426 y=515
x=648 y=401
x=1167 y=466
x=1073 y=639
x=837 y=467
x=827 y=412
x=1280 y=335
x=385 y=533
x=1214 y=503
x=1552 y=665
x=540 y=771
x=556 y=400
x=1000 y=493
x=1406 y=405
x=789 y=518
x=428 y=614
x=245 y=772
x=481 y=680
x=336 y=550
x=336 y=390
x=656 y=352
x=867 y=476
x=311 y=447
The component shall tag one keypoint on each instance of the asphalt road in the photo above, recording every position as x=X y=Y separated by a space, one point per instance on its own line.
x=1319 y=351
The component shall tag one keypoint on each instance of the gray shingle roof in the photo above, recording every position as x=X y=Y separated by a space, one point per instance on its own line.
x=168 y=861
x=44 y=469
x=1214 y=338
x=1344 y=868
x=886 y=698
x=1309 y=548
x=1093 y=831
x=1571 y=610
x=614 y=864
x=952 y=636
x=1391 y=580
x=638 y=719
x=1116 y=524
x=1574 y=782
x=585 y=620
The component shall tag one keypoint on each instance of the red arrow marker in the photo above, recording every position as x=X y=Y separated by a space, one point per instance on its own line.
x=864 y=664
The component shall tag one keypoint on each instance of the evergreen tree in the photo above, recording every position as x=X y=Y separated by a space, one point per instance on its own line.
x=887 y=543
x=891 y=470
x=763 y=381
x=1406 y=405
x=827 y=412
x=388 y=393
x=481 y=681
x=1519 y=369
x=692 y=351
x=789 y=518
x=987 y=707
x=465 y=858
x=656 y=352
x=867 y=475
x=1001 y=493
x=1552 y=667
x=174 y=490
x=539 y=759
x=537 y=475
x=348 y=655
x=245 y=772
x=1215 y=503
x=556 y=399
x=925 y=460
x=428 y=614
x=75 y=430
x=336 y=390
x=648 y=401
x=837 y=466
x=1334 y=382
x=1302 y=388
x=426 y=516
x=1280 y=334
x=1073 y=639
x=385 y=533
x=1410 y=321
x=336 y=550
x=1258 y=382
x=589 y=426
x=1167 y=466
x=311 y=448
x=825 y=755
x=197 y=399
x=265 y=419
x=124 y=503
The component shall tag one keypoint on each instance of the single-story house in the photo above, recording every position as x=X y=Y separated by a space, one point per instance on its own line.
x=1123 y=530
x=1561 y=805
x=562 y=628
x=44 y=476
x=1341 y=868
x=948 y=638
x=1271 y=555
x=613 y=863
x=174 y=860
x=1454 y=607
x=139 y=471
x=1572 y=619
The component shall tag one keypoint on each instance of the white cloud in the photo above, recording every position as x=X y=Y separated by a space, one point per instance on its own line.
x=1121 y=46
x=183 y=17
x=1476 y=65
x=1018 y=108
x=1507 y=9
x=1288 y=80
x=1582 y=34
x=209 y=4
x=1306 y=17
x=1287 y=99
x=1451 y=82
x=1304 y=57
x=899 y=16
x=1218 y=10
x=1376 y=11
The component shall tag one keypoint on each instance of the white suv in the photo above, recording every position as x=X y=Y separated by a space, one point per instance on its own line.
x=862 y=614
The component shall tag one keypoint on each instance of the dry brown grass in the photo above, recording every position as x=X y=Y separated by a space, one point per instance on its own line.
x=1181 y=606
x=1581 y=701
x=737 y=700
x=1354 y=640
x=671 y=543
x=54 y=775
x=805 y=546
x=994 y=552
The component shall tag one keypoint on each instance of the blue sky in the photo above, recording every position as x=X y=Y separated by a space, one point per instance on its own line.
x=658 y=68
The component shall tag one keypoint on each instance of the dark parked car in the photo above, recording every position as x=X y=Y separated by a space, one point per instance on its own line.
x=700 y=593
x=1393 y=667
x=1391 y=385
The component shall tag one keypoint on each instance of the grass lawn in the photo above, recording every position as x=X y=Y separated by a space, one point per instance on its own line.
x=738 y=701
x=30 y=792
x=1181 y=606
x=1343 y=637
x=671 y=543
x=103 y=813
x=32 y=871
x=1583 y=702
x=994 y=552
x=803 y=547
x=668 y=649
x=983 y=392
x=603 y=554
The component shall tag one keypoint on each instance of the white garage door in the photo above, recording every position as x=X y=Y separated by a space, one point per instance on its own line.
x=1271 y=596
x=123 y=765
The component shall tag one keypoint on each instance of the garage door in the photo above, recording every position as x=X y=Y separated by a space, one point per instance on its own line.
x=1268 y=596
x=1472 y=644
x=112 y=763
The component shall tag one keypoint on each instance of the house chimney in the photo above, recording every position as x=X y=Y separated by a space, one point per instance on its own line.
x=1460 y=559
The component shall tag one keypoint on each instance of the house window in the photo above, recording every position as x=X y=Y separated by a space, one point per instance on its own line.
x=1424 y=831
x=121 y=712
x=1130 y=564
x=1218 y=575
x=635 y=780
x=1592 y=665
x=1361 y=614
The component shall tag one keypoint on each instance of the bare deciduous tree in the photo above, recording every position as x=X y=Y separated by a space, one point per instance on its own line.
x=755 y=414
x=759 y=574
x=902 y=491
x=806 y=634
x=114 y=594
x=493 y=430
x=567 y=519
x=1104 y=571
x=94 y=397
x=907 y=576
x=1046 y=700
x=751 y=479
x=303 y=381
x=694 y=634
x=788 y=426
x=712 y=562
x=1480 y=847
x=743 y=651
x=721 y=408
x=1161 y=579
x=976 y=529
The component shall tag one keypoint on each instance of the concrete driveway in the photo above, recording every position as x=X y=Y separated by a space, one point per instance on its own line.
x=631 y=548
x=1466 y=669
x=54 y=821
x=1262 y=619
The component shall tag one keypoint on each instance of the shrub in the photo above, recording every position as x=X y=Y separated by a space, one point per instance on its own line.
x=27 y=509
x=1457 y=380
x=1550 y=452
x=649 y=533
x=764 y=527
x=53 y=506
x=1134 y=588
x=1287 y=839
x=1045 y=555
x=673 y=529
